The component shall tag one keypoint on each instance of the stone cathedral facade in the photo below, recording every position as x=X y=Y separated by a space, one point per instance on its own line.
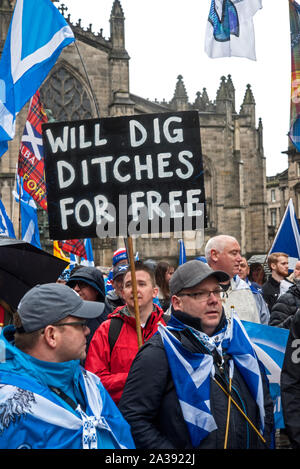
x=91 y=79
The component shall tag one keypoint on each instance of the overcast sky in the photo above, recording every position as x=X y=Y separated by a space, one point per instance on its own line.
x=165 y=38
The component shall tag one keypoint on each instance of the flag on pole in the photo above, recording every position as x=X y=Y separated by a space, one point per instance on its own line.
x=89 y=261
x=182 y=255
x=294 y=133
x=29 y=220
x=287 y=238
x=6 y=226
x=36 y=36
x=75 y=246
x=230 y=29
x=57 y=252
x=31 y=153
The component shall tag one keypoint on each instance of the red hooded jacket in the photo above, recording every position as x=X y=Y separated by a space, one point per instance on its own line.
x=113 y=368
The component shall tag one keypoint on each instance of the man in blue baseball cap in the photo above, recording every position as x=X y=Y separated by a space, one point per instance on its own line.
x=48 y=401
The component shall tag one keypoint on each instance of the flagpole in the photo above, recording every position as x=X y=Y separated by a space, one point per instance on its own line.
x=88 y=80
x=129 y=248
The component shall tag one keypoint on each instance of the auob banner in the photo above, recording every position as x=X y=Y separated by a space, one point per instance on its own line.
x=270 y=343
x=124 y=176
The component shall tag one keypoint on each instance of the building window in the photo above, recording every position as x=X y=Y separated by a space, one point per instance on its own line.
x=298 y=169
x=273 y=195
x=273 y=217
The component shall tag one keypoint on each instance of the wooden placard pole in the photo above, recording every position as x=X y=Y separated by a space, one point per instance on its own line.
x=134 y=291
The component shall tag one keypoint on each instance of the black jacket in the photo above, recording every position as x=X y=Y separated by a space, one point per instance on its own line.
x=285 y=307
x=150 y=405
x=271 y=291
x=290 y=383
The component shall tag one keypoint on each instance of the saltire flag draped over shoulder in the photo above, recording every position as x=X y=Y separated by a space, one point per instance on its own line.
x=31 y=153
x=36 y=36
x=230 y=29
x=287 y=238
x=294 y=132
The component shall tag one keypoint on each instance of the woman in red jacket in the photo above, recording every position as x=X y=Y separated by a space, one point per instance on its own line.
x=112 y=361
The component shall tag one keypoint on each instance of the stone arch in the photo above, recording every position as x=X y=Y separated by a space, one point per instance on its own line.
x=66 y=94
x=210 y=185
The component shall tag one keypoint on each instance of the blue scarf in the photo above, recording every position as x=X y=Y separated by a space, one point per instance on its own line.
x=192 y=372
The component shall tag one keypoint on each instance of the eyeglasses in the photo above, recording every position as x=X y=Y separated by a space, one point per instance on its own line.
x=83 y=324
x=80 y=285
x=203 y=295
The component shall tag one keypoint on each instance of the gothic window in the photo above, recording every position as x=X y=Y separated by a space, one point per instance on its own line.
x=65 y=96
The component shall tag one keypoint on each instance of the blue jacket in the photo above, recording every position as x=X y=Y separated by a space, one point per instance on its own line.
x=33 y=416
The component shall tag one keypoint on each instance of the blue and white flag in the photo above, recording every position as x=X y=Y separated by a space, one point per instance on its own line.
x=182 y=255
x=6 y=226
x=269 y=344
x=192 y=372
x=287 y=238
x=230 y=30
x=89 y=253
x=36 y=36
x=29 y=220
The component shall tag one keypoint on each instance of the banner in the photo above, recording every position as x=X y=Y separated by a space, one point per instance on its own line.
x=230 y=30
x=36 y=36
x=123 y=176
x=287 y=238
x=294 y=133
x=31 y=153
x=270 y=343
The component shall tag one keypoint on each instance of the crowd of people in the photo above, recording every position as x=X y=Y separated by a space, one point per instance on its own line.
x=73 y=374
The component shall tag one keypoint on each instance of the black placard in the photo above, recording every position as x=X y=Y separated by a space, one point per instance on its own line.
x=122 y=176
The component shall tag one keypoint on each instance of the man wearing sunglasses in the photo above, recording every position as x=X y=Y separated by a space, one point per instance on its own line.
x=48 y=401
x=189 y=385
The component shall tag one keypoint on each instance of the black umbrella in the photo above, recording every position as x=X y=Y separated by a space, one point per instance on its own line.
x=22 y=266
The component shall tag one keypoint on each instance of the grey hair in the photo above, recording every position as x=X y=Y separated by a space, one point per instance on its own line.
x=218 y=243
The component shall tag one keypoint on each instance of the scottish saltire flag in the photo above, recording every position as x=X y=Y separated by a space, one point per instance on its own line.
x=230 y=29
x=31 y=153
x=29 y=220
x=192 y=372
x=191 y=376
x=182 y=255
x=269 y=344
x=6 y=226
x=36 y=36
x=294 y=133
x=287 y=238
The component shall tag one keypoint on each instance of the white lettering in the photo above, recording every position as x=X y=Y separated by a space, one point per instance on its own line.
x=65 y=212
x=65 y=182
x=84 y=203
x=117 y=175
x=99 y=141
x=82 y=142
x=133 y=125
x=191 y=200
x=58 y=142
x=189 y=166
x=178 y=134
x=102 y=162
x=174 y=204
x=143 y=167
x=161 y=157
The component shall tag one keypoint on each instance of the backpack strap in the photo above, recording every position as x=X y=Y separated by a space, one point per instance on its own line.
x=115 y=327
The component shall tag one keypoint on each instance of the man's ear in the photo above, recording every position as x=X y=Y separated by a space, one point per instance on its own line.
x=214 y=255
x=176 y=302
x=273 y=266
x=50 y=336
